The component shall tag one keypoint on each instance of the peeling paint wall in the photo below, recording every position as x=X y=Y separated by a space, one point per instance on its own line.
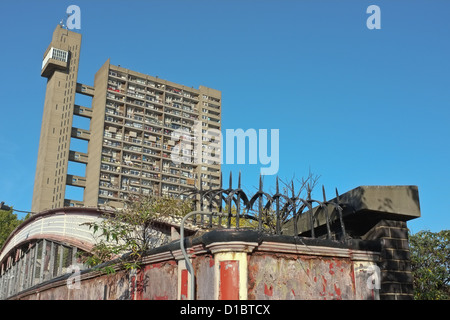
x=105 y=287
x=204 y=270
x=158 y=281
x=293 y=277
x=224 y=270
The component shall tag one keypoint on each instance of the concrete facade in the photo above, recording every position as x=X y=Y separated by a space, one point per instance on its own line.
x=56 y=129
x=135 y=122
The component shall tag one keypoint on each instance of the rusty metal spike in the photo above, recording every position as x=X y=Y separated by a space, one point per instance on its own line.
x=260 y=206
x=239 y=180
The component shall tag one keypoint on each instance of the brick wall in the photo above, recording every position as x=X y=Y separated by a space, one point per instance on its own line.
x=395 y=266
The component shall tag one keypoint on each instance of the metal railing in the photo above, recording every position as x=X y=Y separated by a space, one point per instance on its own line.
x=233 y=208
x=264 y=211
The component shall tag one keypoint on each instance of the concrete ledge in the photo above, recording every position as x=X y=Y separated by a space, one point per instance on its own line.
x=281 y=247
x=363 y=207
x=401 y=202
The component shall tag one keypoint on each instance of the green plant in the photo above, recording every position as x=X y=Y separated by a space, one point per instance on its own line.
x=430 y=264
x=126 y=234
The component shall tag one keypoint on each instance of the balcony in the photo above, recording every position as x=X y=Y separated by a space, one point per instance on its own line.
x=117 y=74
x=111 y=119
x=213 y=120
x=107 y=193
x=109 y=185
x=154 y=176
x=55 y=59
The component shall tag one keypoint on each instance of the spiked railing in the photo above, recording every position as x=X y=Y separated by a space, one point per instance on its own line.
x=272 y=211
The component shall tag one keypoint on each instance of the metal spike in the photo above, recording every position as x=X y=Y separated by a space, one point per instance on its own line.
x=239 y=180
x=294 y=210
x=210 y=203
x=341 y=218
x=278 y=222
x=238 y=201
x=260 y=209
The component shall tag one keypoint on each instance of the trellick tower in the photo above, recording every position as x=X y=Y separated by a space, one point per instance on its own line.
x=133 y=118
x=60 y=67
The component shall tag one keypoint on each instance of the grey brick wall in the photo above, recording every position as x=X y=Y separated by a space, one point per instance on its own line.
x=395 y=265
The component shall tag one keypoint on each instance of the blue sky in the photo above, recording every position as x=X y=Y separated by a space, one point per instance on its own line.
x=353 y=105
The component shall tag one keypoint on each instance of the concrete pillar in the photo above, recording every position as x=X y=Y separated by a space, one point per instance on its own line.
x=231 y=269
x=184 y=282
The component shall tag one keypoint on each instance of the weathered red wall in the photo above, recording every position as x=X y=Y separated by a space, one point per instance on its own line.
x=157 y=281
x=204 y=271
x=290 y=276
x=312 y=273
x=104 y=287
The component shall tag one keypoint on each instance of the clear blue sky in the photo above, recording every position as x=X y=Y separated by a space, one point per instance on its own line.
x=356 y=106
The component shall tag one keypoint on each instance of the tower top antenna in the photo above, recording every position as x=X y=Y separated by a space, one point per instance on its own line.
x=61 y=23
